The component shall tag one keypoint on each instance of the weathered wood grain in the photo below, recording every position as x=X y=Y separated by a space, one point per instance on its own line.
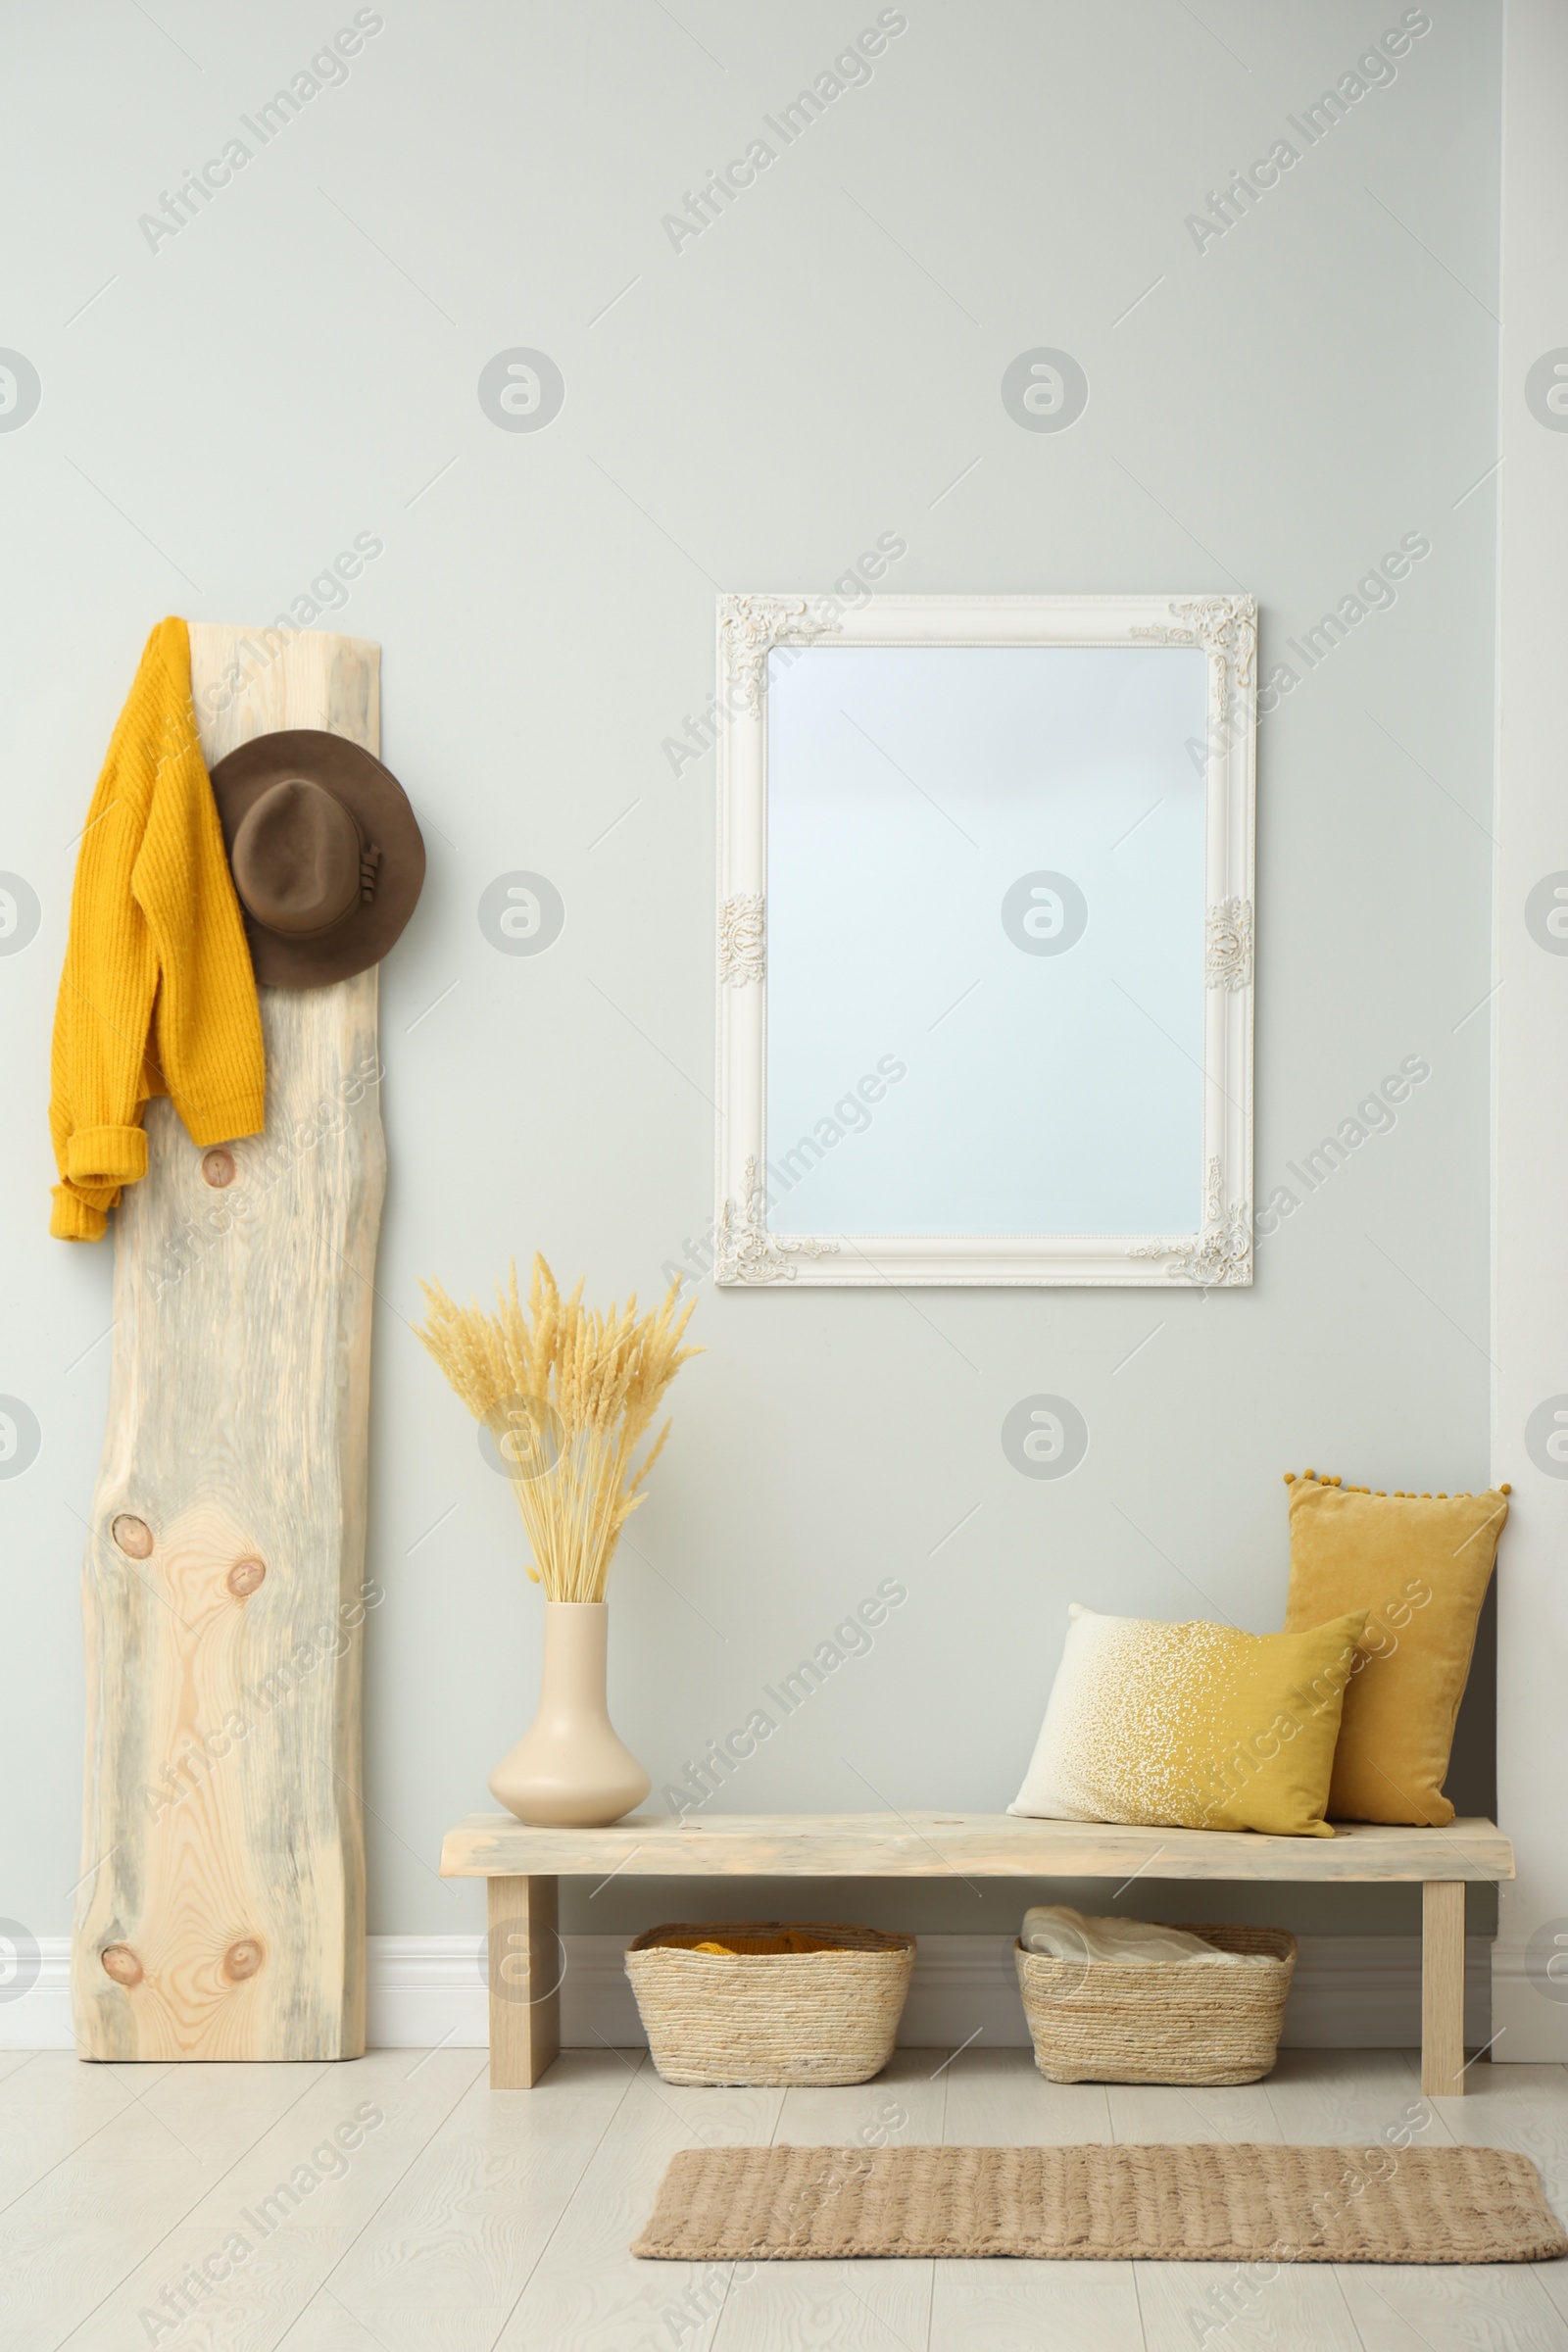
x=1442 y=1989
x=526 y=1962
x=221 y=1909
x=939 y=1845
x=521 y=1862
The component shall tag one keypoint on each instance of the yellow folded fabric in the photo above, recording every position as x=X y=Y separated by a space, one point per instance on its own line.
x=157 y=996
x=1419 y=1565
x=750 y=1947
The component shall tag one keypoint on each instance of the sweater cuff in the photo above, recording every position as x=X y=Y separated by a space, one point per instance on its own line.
x=102 y=1157
x=73 y=1220
x=209 y=1124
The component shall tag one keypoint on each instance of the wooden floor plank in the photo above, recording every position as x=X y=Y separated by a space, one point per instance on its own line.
x=1000 y=2098
x=456 y=2242
x=79 y=2230
x=821 y=2307
x=386 y=2104
x=477 y=2221
x=1429 y=2307
x=327 y=2326
x=863 y=2306
x=248 y=2310
x=1234 y=2306
x=905 y=2102
x=195 y=2101
x=1353 y=2097
x=1376 y=2097
x=85 y=2222
x=295 y=2234
x=1292 y=2307
x=587 y=2290
x=1524 y=2108
x=1553 y=2280
x=1521 y=2107
x=48 y=2109
x=1191 y=2113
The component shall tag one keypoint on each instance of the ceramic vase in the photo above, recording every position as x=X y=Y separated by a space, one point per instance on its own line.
x=570 y=1770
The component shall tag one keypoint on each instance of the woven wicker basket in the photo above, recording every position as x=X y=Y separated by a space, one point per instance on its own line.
x=772 y=2017
x=1100 y=2021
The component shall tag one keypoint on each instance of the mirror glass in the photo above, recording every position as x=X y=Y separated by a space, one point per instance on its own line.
x=985 y=872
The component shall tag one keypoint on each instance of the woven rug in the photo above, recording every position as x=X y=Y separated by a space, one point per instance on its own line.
x=1104 y=2204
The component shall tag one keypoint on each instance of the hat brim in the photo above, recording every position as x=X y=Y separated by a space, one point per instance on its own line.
x=378 y=801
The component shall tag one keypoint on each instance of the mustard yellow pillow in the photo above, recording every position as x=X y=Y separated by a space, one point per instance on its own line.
x=1193 y=1727
x=1419 y=1566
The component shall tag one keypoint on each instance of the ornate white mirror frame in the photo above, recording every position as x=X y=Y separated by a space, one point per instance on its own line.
x=1218 y=1252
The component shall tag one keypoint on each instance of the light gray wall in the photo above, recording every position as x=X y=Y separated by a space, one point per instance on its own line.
x=1272 y=412
x=1529 y=1131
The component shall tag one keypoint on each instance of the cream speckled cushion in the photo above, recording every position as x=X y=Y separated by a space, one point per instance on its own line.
x=1192 y=1726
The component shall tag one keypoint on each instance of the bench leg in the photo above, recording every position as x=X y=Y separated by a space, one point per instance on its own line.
x=525 y=1968
x=1442 y=1987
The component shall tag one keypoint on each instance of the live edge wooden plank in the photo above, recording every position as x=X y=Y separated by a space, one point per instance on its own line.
x=220 y=1912
x=937 y=1845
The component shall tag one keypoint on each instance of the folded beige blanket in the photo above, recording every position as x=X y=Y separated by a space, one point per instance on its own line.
x=1062 y=1934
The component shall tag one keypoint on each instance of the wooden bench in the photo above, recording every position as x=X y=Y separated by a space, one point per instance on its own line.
x=524 y=1866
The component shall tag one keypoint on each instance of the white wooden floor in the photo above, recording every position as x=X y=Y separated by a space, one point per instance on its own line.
x=466 y=2218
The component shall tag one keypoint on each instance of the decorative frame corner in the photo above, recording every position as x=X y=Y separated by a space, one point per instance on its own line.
x=745 y=1252
x=750 y=627
x=1220 y=1257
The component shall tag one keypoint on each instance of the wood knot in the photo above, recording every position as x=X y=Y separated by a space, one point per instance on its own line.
x=121 y=1963
x=217 y=1167
x=242 y=1959
x=133 y=1536
x=244 y=1577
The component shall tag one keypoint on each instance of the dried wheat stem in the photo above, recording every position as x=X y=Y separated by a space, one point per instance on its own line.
x=568 y=1393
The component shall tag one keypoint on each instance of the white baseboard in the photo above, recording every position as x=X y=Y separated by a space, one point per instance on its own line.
x=1351 y=1992
x=39 y=2019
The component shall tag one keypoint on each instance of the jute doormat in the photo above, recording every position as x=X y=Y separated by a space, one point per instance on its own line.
x=1256 y=2203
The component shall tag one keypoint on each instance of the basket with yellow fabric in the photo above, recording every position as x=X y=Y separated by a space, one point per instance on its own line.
x=767 y=2003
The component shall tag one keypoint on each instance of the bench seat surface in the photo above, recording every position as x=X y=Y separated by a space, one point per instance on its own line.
x=941 y=1846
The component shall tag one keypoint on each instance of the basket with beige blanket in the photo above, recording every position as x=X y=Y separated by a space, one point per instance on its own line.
x=1114 y=2000
x=764 y=2003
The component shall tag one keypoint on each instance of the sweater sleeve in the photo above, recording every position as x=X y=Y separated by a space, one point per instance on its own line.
x=107 y=990
x=209 y=1028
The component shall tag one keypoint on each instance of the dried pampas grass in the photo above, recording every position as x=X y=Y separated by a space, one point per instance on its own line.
x=568 y=1393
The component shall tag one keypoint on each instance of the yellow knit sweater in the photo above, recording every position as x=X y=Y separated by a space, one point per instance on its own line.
x=157 y=997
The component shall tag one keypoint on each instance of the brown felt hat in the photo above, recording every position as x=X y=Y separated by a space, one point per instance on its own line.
x=326 y=853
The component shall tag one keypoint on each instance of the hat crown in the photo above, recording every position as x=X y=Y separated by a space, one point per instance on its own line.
x=296 y=858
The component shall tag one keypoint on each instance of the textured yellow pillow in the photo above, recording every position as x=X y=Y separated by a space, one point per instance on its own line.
x=1194 y=1727
x=1419 y=1566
